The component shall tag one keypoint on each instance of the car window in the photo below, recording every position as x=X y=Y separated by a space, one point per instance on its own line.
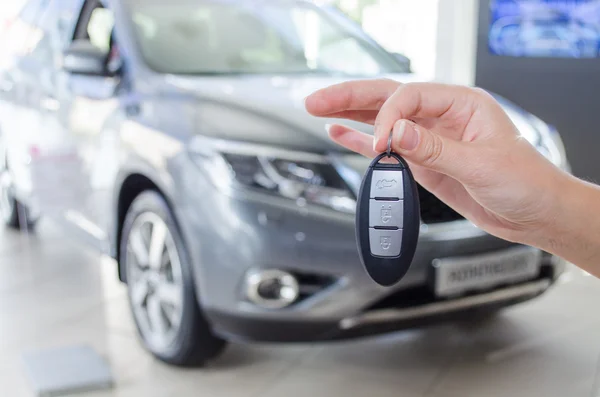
x=52 y=29
x=100 y=28
x=331 y=49
x=97 y=25
x=48 y=37
x=204 y=36
x=32 y=10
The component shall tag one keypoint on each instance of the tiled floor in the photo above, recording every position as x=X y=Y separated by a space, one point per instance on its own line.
x=54 y=293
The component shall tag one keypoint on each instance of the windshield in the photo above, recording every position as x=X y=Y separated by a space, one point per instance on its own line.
x=222 y=37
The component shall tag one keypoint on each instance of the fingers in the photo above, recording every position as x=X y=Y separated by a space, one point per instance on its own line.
x=363 y=116
x=352 y=95
x=447 y=189
x=427 y=149
x=422 y=100
x=352 y=139
x=418 y=145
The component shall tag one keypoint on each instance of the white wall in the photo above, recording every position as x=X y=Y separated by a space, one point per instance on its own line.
x=457 y=41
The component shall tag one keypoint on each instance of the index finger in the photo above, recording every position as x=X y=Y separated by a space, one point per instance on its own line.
x=423 y=100
x=351 y=95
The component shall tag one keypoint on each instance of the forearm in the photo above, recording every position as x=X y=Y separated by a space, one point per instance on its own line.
x=574 y=231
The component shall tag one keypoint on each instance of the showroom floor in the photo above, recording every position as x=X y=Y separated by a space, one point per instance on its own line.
x=55 y=294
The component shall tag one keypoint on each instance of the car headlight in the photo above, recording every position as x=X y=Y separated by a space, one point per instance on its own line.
x=302 y=177
x=545 y=139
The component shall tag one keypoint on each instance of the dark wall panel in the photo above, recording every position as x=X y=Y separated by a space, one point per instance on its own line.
x=563 y=92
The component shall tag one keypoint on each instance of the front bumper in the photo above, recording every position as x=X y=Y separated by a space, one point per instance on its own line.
x=228 y=235
x=235 y=327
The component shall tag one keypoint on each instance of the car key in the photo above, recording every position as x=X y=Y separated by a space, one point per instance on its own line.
x=387 y=219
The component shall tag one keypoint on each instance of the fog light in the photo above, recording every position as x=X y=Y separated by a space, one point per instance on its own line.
x=272 y=289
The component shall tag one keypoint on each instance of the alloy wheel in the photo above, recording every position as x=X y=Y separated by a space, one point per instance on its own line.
x=155 y=280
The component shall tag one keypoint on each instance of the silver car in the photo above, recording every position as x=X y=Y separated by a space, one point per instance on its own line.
x=172 y=136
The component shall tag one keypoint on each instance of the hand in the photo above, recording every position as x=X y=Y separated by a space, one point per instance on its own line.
x=461 y=146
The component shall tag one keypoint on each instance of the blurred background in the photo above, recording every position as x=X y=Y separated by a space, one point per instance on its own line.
x=176 y=224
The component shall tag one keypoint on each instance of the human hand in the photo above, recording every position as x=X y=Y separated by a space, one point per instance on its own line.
x=461 y=146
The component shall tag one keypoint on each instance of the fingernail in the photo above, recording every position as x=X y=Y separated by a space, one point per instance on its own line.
x=407 y=136
x=327 y=127
x=375 y=142
x=399 y=132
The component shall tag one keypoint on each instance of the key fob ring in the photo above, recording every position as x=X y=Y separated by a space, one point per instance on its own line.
x=389 y=145
x=400 y=160
x=388 y=270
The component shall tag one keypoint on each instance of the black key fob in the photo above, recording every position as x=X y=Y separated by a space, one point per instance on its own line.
x=387 y=219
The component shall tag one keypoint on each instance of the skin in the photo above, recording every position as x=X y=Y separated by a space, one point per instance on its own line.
x=464 y=149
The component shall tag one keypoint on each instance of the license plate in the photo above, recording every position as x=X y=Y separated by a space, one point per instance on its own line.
x=454 y=276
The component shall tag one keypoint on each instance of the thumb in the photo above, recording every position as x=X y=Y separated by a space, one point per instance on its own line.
x=428 y=149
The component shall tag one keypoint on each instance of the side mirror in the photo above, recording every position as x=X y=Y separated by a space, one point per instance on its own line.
x=404 y=61
x=82 y=57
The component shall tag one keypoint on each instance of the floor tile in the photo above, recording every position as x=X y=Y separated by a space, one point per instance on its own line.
x=408 y=361
x=308 y=381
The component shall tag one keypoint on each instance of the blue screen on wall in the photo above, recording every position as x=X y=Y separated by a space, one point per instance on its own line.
x=545 y=28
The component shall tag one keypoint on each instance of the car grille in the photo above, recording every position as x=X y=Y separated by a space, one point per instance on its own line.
x=435 y=211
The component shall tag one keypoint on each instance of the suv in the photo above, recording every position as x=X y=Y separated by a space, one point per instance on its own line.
x=173 y=137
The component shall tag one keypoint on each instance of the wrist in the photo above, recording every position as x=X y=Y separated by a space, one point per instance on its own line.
x=549 y=226
x=571 y=223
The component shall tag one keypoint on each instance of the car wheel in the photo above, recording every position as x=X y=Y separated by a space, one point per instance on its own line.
x=14 y=214
x=161 y=288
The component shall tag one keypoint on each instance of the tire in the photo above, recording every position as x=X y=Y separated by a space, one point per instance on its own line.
x=161 y=288
x=14 y=214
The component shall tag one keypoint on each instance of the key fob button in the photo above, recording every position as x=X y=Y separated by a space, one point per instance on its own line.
x=387 y=184
x=386 y=213
x=387 y=219
x=384 y=242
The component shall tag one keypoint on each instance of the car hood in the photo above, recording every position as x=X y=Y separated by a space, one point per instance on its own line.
x=260 y=109
x=270 y=109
